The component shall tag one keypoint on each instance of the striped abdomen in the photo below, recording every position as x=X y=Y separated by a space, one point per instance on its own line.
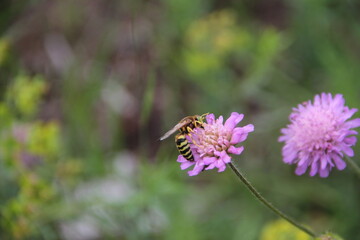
x=184 y=147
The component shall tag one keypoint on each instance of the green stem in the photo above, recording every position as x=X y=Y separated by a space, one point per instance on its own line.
x=353 y=165
x=267 y=203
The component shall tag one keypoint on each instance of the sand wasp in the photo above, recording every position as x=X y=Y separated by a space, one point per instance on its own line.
x=185 y=127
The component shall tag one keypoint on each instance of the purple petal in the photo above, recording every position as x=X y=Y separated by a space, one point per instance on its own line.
x=221 y=166
x=347 y=150
x=195 y=153
x=329 y=98
x=226 y=158
x=352 y=132
x=211 y=166
x=314 y=168
x=317 y=100
x=210 y=118
x=350 y=141
x=282 y=138
x=233 y=120
x=248 y=128
x=300 y=170
x=324 y=161
x=199 y=166
x=340 y=164
x=324 y=101
x=209 y=160
x=193 y=173
x=181 y=159
x=338 y=101
x=353 y=123
x=289 y=154
x=184 y=162
x=284 y=130
x=240 y=133
x=324 y=172
x=186 y=165
x=238 y=136
x=304 y=160
x=235 y=150
x=348 y=114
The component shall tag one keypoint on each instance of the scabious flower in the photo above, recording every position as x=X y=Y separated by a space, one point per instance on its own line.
x=212 y=144
x=319 y=135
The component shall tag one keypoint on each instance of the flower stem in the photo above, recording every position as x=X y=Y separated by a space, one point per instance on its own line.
x=267 y=203
x=353 y=165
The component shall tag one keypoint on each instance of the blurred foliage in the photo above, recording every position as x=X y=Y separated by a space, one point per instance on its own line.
x=25 y=94
x=4 y=45
x=88 y=87
x=282 y=230
x=30 y=151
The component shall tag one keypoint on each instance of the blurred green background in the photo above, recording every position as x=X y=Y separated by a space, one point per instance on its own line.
x=88 y=87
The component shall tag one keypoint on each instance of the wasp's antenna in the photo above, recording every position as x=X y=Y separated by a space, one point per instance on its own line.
x=204 y=115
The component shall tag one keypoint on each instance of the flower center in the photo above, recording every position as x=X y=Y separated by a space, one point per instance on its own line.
x=315 y=129
x=212 y=138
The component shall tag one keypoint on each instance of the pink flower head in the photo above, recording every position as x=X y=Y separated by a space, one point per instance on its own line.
x=212 y=144
x=319 y=135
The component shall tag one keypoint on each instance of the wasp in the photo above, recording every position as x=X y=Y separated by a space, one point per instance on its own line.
x=185 y=127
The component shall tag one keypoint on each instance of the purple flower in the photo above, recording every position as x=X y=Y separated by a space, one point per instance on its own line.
x=319 y=135
x=212 y=145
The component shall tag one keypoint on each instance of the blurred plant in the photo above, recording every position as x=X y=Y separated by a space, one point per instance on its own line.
x=131 y=202
x=282 y=230
x=30 y=150
x=25 y=93
x=4 y=47
x=211 y=41
x=228 y=60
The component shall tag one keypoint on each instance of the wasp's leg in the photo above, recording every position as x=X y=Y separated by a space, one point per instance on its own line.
x=189 y=129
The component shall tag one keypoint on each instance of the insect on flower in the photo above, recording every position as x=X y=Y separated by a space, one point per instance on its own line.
x=185 y=127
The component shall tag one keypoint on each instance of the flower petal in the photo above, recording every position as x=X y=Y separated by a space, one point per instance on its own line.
x=181 y=159
x=301 y=169
x=209 y=160
x=233 y=120
x=324 y=161
x=210 y=118
x=324 y=172
x=211 y=166
x=199 y=167
x=353 y=123
x=348 y=150
x=221 y=166
x=226 y=158
x=340 y=164
x=240 y=133
x=235 y=150
x=314 y=168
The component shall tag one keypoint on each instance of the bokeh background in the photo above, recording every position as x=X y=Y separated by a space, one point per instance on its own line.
x=88 y=87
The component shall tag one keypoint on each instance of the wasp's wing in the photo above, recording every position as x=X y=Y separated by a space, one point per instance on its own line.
x=175 y=128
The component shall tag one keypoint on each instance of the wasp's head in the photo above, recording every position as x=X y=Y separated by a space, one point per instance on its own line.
x=201 y=118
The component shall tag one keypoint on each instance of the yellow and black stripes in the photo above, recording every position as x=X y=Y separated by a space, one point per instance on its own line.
x=184 y=146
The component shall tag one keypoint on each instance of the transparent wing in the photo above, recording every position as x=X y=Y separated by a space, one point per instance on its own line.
x=182 y=123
